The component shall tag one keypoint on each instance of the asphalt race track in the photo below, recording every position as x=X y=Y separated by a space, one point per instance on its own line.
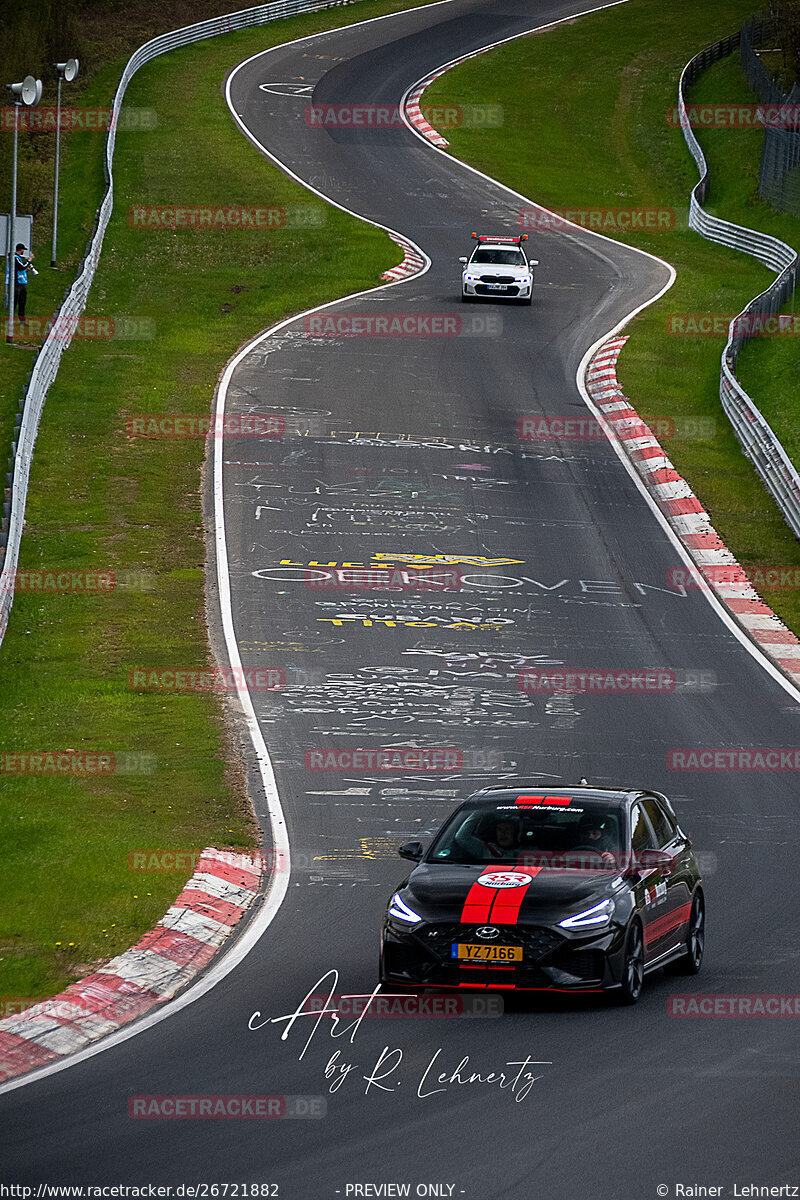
x=407 y=445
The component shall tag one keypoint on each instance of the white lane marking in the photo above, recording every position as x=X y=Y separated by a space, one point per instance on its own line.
x=287 y=89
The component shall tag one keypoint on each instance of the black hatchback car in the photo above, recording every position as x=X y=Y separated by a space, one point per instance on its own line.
x=564 y=889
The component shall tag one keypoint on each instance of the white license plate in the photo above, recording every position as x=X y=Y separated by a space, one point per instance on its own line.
x=496 y=287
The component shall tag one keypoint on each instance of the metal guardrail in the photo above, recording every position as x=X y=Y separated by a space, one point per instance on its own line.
x=758 y=440
x=754 y=32
x=778 y=175
x=47 y=361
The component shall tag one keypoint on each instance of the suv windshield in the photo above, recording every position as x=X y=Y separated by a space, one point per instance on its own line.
x=560 y=837
x=502 y=258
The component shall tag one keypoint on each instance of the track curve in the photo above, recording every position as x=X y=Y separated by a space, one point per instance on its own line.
x=408 y=446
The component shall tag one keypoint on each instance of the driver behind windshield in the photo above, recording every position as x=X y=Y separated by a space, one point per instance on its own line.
x=594 y=835
x=501 y=840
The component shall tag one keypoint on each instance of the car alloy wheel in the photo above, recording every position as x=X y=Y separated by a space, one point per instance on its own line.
x=690 y=962
x=633 y=968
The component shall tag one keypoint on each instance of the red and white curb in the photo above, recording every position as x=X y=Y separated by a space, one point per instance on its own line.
x=411 y=105
x=684 y=512
x=412 y=263
x=414 y=112
x=168 y=957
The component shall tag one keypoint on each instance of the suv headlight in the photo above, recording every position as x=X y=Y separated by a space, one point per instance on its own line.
x=591 y=918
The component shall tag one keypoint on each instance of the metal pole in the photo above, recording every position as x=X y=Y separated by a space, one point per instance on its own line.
x=55 y=190
x=7 y=280
x=11 y=235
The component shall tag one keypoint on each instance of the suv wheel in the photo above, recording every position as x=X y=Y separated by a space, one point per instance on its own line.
x=633 y=965
x=690 y=962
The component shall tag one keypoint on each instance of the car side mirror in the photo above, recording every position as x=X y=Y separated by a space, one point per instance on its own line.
x=533 y=262
x=463 y=260
x=655 y=860
x=411 y=850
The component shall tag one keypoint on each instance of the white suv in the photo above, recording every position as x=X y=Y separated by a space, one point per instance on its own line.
x=497 y=270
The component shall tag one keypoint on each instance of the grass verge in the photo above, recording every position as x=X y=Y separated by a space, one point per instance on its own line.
x=102 y=500
x=580 y=139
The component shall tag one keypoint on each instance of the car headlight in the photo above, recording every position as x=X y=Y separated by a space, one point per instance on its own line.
x=401 y=912
x=590 y=918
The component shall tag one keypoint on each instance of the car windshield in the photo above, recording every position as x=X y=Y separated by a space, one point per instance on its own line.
x=500 y=258
x=569 y=837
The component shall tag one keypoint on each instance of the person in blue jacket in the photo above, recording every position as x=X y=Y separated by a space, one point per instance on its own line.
x=22 y=263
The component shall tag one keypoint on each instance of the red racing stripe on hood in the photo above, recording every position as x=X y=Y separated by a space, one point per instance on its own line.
x=498 y=905
x=478 y=904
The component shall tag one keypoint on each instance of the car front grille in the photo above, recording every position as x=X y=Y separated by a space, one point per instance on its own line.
x=496 y=278
x=537 y=943
x=482 y=290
